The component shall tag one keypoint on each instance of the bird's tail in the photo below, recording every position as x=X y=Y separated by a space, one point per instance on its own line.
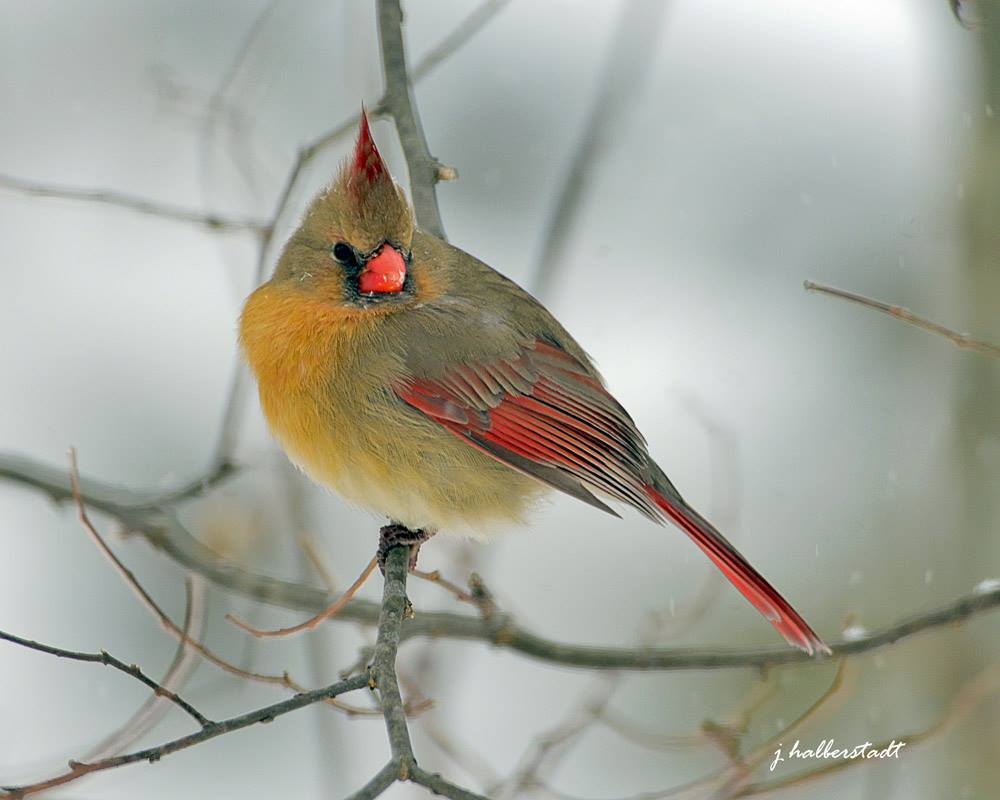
x=753 y=586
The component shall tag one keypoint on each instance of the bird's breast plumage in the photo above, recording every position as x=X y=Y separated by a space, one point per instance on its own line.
x=325 y=380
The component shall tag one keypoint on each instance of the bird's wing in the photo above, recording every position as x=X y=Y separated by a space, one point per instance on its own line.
x=543 y=413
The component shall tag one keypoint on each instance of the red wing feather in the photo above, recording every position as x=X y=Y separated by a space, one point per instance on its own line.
x=545 y=408
x=544 y=414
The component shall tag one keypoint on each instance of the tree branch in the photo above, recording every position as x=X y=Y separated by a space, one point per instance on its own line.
x=424 y=169
x=117 y=501
x=108 y=660
x=381 y=677
x=381 y=781
x=395 y=607
x=161 y=528
x=907 y=316
x=135 y=203
x=383 y=667
x=453 y=41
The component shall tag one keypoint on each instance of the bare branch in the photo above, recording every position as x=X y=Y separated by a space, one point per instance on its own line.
x=907 y=316
x=114 y=500
x=455 y=590
x=383 y=667
x=461 y=34
x=108 y=660
x=164 y=531
x=381 y=781
x=316 y=620
x=452 y=42
x=438 y=785
x=147 y=600
x=424 y=169
x=394 y=610
x=134 y=203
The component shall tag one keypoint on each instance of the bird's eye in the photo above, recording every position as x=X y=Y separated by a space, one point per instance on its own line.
x=344 y=253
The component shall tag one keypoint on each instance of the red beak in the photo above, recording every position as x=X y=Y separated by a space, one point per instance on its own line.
x=384 y=273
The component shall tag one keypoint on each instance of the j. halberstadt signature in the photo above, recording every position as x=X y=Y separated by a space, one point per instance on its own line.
x=828 y=748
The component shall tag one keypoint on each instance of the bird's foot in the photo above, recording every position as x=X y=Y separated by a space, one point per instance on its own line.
x=396 y=535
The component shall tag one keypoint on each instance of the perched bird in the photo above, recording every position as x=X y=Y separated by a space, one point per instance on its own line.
x=420 y=383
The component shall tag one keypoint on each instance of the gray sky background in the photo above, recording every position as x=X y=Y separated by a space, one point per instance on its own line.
x=768 y=143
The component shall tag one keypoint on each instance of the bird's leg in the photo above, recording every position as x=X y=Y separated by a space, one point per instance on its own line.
x=394 y=535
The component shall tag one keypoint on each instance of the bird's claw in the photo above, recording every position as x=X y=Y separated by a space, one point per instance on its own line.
x=396 y=535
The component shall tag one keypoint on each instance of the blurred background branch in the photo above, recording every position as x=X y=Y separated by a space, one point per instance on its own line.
x=902 y=313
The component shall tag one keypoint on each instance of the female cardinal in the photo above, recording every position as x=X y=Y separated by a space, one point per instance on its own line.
x=418 y=382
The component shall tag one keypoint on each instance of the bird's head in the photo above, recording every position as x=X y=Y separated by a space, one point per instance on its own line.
x=353 y=246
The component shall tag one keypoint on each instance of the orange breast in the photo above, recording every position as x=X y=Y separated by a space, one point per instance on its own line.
x=323 y=375
x=297 y=346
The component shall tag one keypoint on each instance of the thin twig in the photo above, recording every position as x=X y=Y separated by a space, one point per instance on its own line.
x=134 y=203
x=285 y=680
x=907 y=316
x=308 y=547
x=212 y=730
x=558 y=741
x=441 y=786
x=559 y=737
x=708 y=731
x=180 y=669
x=453 y=589
x=424 y=169
x=108 y=660
x=147 y=600
x=740 y=772
x=969 y=698
x=457 y=37
x=729 y=781
x=315 y=621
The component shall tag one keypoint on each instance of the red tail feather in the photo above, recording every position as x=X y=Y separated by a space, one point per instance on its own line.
x=751 y=583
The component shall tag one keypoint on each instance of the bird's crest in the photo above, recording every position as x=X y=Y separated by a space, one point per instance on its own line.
x=364 y=206
x=367 y=165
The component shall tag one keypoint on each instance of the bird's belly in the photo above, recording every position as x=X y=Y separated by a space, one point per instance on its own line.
x=412 y=470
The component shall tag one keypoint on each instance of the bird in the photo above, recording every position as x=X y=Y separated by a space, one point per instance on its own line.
x=418 y=382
